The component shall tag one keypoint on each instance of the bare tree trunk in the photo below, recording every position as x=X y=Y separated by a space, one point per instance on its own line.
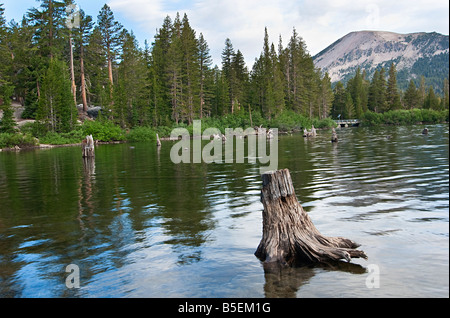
x=83 y=80
x=289 y=236
x=110 y=75
x=72 y=71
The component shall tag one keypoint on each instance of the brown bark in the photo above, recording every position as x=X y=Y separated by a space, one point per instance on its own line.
x=83 y=80
x=289 y=236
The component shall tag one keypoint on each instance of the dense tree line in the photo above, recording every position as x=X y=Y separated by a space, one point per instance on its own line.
x=57 y=58
x=52 y=65
x=381 y=94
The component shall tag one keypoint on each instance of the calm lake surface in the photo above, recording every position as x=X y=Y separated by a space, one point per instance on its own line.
x=138 y=225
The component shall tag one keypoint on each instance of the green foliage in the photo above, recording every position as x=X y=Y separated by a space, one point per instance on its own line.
x=430 y=116
x=371 y=118
x=10 y=140
x=56 y=105
x=138 y=134
x=404 y=117
x=72 y=137
x=103 y=131
x=290 y=120
x=163 y=131
x=324 y=123
x=171 y=82
x=36 y=129
x=7 y=123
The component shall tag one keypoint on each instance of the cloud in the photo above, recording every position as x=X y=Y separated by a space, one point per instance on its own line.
x=243 y=22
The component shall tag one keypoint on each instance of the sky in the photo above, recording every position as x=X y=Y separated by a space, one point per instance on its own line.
x=318 y=22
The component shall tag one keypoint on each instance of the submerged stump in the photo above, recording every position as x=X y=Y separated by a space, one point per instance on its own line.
x=334 y=137
x=87 y=147
x=289 y=236
x=158 y=142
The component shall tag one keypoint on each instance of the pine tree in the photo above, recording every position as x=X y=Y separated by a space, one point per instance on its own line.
x=303 y=77
x=49 y=26
x=129 y=95
x=205 y=62
x=96 y=75
x=431 y=100
x=110 y=30
x=7 y=122
x=377 y=92
x=81 y=37
x=297 y=86
x=46 y=31
x=267 y=81
x=174 y=69
x=283 y=62
x=268 y=63
x=340 y=98
x=238 y=80
x=257 y=85
x=149 y=86
x=56 y=107
x=70 y=27
x=325 y=97
x=358 y=91
x=161 y=97
x=227 y=56
x=220 y=97
x=190 y=70
x=4 y=65
x=446 y=98
x=365 y=92
x=422 y=91
x=411 y=96
x=24 y=66
x=278 y=85
x=349 y=109
x=392 y=94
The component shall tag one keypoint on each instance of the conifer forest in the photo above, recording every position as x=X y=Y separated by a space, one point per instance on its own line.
x=58 y=71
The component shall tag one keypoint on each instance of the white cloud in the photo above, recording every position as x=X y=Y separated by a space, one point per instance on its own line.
x=243 y=22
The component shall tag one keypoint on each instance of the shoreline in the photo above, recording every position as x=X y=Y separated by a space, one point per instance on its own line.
x=282 y=132
x=50 y=146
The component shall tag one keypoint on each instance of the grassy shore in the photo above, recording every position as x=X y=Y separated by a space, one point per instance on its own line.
x=35 y=135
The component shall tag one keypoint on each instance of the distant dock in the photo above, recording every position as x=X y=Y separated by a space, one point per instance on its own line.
x=348 y=122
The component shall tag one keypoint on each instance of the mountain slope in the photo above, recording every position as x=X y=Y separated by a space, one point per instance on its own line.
x=414 y=54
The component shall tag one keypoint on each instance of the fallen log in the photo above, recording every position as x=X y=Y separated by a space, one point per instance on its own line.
x=289 y=236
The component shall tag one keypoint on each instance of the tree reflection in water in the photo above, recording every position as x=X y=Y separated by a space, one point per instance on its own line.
x=285 y=281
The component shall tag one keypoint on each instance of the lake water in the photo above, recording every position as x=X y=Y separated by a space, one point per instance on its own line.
x=137 y=225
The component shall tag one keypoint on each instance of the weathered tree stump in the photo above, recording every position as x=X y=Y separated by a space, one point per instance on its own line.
x=334 y=137
x=289 y=236
x=311 y=133
x=87 y=147
x=158 y=142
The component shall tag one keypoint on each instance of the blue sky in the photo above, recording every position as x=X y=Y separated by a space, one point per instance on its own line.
x=318 y=22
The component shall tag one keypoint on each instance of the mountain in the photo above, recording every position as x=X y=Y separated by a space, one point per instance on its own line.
x=414 y=55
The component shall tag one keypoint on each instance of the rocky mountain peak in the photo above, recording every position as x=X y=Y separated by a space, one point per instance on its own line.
x=370 y=50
